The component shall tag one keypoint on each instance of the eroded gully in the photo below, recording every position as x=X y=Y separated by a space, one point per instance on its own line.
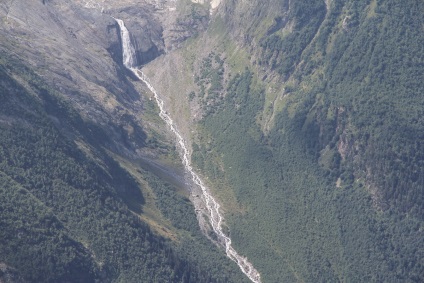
x=212 y=206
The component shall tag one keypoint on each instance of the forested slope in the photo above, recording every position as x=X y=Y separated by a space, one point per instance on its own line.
x=71 y=213
x=306 y=123
x=320 y=138
x=90 y=188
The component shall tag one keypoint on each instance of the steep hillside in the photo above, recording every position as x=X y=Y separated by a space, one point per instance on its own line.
x=91 y=189
x=306 y=116
x=303 y=118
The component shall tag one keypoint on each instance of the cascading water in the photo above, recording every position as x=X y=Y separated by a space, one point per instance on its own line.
x=128 y=51
x=214 y=215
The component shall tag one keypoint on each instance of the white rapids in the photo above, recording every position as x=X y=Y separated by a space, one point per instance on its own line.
x=215 y=217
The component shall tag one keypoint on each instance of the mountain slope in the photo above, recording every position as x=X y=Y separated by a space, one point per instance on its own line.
x=308 y=119
x=304 y=118
x=90 y=189
x=67 y=217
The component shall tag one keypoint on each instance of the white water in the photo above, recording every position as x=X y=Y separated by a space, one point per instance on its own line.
x=215 y=217
x=128 y=51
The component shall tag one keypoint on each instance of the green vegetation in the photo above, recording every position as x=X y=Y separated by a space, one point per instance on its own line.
x=282 y=53
x=334 y=191
x=331 y=191
x=205 y=257
x=37 y=242
x=71 y=216
x=210 y=81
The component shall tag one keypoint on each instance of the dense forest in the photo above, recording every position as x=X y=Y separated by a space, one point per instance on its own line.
x=334 y=189
x=69 y=216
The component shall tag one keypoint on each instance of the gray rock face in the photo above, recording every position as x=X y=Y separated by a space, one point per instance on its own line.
x=74 y=45
x=77 y=51
x=146 y=32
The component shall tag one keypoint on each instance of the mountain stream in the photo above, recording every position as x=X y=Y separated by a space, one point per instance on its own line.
x=212 y=207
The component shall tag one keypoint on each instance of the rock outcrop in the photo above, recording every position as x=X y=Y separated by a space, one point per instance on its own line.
x=77 y=51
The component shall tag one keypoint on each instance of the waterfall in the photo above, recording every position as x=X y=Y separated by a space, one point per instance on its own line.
x=128 y=51
x=213 y=209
